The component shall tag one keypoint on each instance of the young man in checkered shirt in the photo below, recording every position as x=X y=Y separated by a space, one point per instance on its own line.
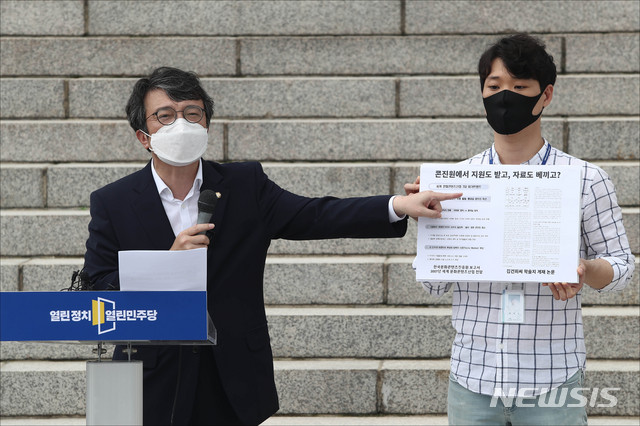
x=545 y=353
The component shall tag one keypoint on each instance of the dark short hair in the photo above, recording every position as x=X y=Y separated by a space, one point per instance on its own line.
x=524 y=57
x=178 y=85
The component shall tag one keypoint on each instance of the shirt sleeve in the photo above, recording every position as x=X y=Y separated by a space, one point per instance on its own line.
x=434 y=288
x=603 y=233
x=393 y=217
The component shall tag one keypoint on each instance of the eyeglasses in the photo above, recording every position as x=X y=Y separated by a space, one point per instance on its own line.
x=168 y=115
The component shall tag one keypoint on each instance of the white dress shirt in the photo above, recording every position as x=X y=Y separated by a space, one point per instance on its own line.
x=182 y=214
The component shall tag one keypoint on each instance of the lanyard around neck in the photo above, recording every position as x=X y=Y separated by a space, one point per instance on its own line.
x=544 y=159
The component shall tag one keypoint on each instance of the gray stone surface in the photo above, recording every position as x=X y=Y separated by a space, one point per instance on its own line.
x=626 y=178
x=82 y=140
x=299 y=97
x=627 y=391
x=469 y=16
x=70 y=186
x=604 y=139
x=99 y=97
x=10 y=273
x=30 y=97
x=57 y=233
x=244 y=17
x=603 y=52
x=360 y=332
x=352 y=140
x=596 y=95
x=34 y=351
x=441 y=97
x=413 y=391
x=611 y=335
x=60 y=18
x=22 y=141
x=49 y=274
x=631 y=220
x=323 y=281
x=367 y=55
x=326 y=391
x=252 y=97
x=96 y=56
x=318 y=180
x=42 y=392
x=22 y=186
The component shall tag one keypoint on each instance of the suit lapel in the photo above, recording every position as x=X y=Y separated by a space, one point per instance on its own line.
x=213 y=180
x=148 y=207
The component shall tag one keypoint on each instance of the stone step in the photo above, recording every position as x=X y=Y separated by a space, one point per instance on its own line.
x=312 y=140
x=305 y=387
x=110 y=17
x=63 y=232
x=415 y=332
x=37 y=185
x=382 y=332
x=344 y=55
x=318 y=97
x=290 y=280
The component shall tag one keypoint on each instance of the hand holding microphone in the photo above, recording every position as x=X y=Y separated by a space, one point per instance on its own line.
x=196 y=236
x=206 y=206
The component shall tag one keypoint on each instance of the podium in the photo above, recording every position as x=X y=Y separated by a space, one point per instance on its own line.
x=114 y=388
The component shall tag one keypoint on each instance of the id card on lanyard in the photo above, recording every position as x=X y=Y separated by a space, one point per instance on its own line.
x=512 y=305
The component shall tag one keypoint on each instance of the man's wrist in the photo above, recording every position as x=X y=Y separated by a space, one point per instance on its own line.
x=393 y=214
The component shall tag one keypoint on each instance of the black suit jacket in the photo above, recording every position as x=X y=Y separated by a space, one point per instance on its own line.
x=128 y=215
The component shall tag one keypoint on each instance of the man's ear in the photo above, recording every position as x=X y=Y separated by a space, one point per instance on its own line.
x=144 y=139
x=548 y=93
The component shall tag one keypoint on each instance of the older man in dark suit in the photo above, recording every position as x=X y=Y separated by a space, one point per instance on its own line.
x=156 y=209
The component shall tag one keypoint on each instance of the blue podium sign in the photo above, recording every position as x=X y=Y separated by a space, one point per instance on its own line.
x=114 y=316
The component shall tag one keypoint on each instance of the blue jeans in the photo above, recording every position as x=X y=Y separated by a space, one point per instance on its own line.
x=469 y=408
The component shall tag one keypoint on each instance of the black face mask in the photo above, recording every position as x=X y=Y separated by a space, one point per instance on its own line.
x=509 y=112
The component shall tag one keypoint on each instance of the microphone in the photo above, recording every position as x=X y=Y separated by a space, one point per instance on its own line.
x=206 y=205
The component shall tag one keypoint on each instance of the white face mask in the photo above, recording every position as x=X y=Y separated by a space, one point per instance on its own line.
x=180 y=143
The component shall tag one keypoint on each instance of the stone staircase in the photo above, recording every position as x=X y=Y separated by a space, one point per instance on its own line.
x=344 y=98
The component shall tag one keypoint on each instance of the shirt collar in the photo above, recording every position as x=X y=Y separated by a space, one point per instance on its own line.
x=536 y=160
x=165 y=191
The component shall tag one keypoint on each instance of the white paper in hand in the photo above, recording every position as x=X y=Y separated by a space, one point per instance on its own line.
x=163 y=270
